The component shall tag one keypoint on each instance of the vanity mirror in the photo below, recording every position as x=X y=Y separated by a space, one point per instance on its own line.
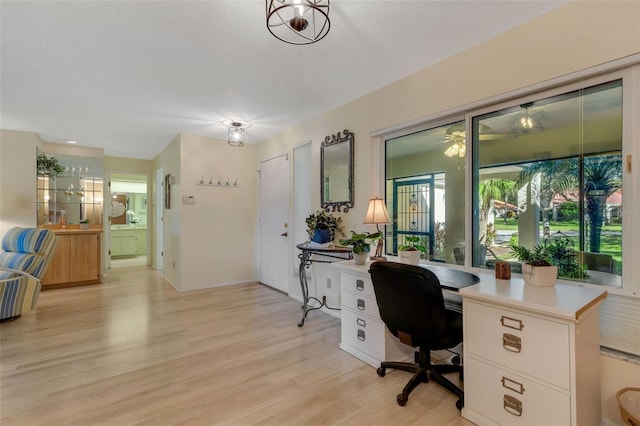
x=336 y=172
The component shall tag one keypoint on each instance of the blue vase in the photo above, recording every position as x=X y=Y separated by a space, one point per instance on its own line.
x=321 y=236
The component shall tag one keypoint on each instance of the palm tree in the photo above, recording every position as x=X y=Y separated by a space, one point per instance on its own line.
x=601 y=175
x=490 y=190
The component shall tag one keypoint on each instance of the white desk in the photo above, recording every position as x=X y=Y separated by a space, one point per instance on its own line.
x=531 y=354
x=364 y=335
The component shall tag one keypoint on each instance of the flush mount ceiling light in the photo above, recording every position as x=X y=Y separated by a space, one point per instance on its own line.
x=235 y=131
x=528 y=121
x=298 y=21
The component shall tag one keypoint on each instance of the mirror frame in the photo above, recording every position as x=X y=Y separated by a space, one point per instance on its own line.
x=342 y=205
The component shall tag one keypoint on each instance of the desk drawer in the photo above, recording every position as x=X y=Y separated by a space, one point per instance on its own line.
x=361 y=304
x=510 y=399
x=363 y=333
x=534 y=346
x=357 y=284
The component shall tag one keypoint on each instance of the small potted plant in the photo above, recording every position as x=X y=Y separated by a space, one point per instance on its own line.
x=361 y=244
x=322 y=227
x=84 y=224
x=537 y=265
x=410 y=252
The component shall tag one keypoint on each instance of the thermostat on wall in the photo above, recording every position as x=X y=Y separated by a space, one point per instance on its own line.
x=188 y=199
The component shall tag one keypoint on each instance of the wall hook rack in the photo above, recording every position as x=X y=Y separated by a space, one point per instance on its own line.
x=221 y=182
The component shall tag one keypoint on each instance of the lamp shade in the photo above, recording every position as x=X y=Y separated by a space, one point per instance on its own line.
x=376 y=212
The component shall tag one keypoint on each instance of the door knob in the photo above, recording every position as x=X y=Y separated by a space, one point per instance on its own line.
x=284 y=234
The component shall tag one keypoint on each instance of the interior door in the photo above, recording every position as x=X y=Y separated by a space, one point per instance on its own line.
x=274 y=211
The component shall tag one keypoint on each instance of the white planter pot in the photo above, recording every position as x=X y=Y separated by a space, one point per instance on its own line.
x=411 y=257
x=360 y=258
x=539 y=276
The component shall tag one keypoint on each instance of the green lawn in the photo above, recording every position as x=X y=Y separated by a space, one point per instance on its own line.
x=512 y=225
x=609 y=243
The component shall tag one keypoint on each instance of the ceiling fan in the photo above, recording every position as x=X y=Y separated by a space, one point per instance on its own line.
x=456 y=136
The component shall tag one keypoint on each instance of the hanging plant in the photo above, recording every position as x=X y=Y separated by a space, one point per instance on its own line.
x=49 y=166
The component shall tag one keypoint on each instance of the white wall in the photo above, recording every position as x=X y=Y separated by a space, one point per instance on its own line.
x=577 y=36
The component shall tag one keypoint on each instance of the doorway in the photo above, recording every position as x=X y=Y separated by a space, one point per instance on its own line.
x=129 y=206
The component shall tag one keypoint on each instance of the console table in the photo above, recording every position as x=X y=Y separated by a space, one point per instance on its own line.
x=306 y=252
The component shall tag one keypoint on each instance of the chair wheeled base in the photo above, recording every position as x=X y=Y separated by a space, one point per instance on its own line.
x=423 y=371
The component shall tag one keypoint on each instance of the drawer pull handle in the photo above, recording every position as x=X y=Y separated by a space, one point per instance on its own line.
x=360 y=304
x=511 y=343
x=512 y=405
x=360 y=285
x=361 y=322
x=361 y=335
x=512 y=385
x=516 y=324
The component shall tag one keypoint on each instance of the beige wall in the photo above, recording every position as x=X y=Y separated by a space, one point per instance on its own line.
x=169 y=161
x=17 y=179
x=211 y=242
x=577 y=36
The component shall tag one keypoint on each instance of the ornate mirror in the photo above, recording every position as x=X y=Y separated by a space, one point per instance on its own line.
x=336 y=172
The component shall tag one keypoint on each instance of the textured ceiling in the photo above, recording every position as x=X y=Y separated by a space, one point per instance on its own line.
x=129 y=76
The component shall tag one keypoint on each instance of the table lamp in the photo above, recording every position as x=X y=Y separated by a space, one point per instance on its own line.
x=377 y=214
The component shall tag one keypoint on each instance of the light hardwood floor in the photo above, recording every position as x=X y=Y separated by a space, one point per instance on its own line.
x=134 y=351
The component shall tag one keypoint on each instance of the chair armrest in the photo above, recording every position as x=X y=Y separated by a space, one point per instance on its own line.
x=19 y=272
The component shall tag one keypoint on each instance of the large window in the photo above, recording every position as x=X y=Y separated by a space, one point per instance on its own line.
x=547 y=166
x=549 y=172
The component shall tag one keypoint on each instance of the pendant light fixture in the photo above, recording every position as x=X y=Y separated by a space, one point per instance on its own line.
x=528 y=121
x=235 y=132
x=298 y=21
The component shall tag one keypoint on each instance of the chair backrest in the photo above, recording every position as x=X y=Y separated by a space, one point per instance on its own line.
x=28 y=250
x=409 y=299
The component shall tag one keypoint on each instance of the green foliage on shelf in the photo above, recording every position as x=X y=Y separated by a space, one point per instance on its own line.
x=49 y=166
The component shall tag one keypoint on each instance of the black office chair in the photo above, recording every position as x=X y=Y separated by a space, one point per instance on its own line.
x=411 y=305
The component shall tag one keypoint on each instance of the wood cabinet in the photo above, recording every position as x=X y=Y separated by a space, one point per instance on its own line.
x=531 y=354
x=364 y=335
x=77 y=258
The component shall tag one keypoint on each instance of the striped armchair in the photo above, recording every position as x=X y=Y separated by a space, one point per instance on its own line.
x=26 y=253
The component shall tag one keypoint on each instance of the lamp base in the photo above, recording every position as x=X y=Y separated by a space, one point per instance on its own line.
x=379 y=258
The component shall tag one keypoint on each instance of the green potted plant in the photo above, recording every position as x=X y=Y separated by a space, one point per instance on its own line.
x=410 y=251
x=537 y=265
x=322 y=226
x=361 y=244
x=48 y=166
x=84 y=224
